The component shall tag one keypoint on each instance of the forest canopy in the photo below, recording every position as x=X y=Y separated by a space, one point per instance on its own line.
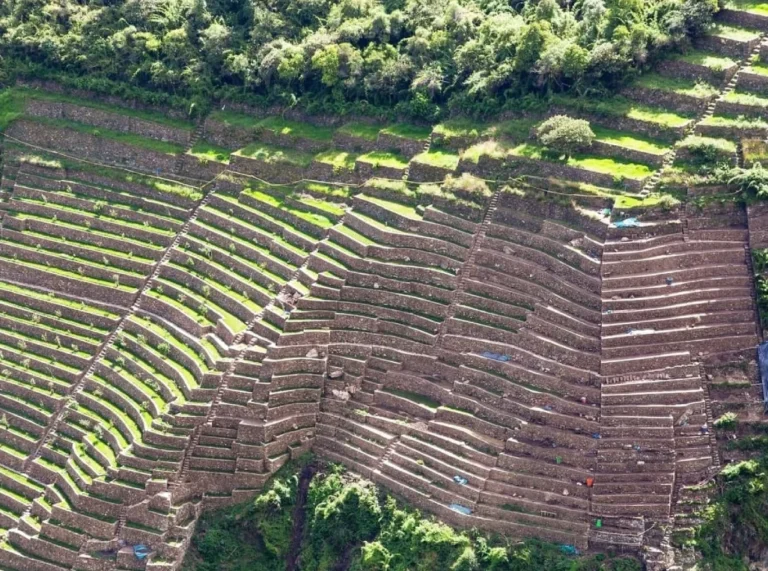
x=418 y=56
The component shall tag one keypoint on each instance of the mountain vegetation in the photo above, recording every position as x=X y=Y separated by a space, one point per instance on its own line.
x=417 y=57
x=352 y=524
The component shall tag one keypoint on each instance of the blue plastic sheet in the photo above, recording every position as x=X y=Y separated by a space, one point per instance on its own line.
x=461 y=509
x=495 y=356
x=569 y=549
x=461 y=481
x=762 y=355
x=627 y=223
x=141 y=551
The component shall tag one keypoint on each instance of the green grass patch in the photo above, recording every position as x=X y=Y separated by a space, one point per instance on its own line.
x=758 y=67
x=146 y=115
x=207 y=152
x=326 y=189
x=746 y=99
x=739 y=122
x=461 y=127
x=324 y=205
x=276 y=155
x=235 y=119
x=301 y=130
x=629 y=140
x=438 y=158
x=677 y=85
x=751 y=6
x=491 y=149
x=11 y=107
x=622 y=107
x=624 y=202
x=339 y=160
x=278 y=200
x=404 y=210
x=515 y=129
x=414 y=397
x=119 y=136
x=733 y=33
x=361 y=130
x=710 y=60
x=604 y=165
x=383 y=159
x=755 y=151
x=407 y=131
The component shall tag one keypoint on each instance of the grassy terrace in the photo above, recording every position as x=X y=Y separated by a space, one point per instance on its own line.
x=733 y=33
x=276 y=124
x=281 y=202
x=759 y=67
x=438 y=158
x=406 y=131
x=743 y=98
x=408 y=212
x=621 y=107
x=118 y=136
x=276 y=155
x=712 y=61
x=513 y=129
x=751 y=6
x=147 y=115
x=383 y=159
x=676 y=85
x=205 y=151
x=629 y=140
x=50 y=298
x=366 y=131
x=118 y=176
x=339 y=160
x=739 y=122
x=615 y=167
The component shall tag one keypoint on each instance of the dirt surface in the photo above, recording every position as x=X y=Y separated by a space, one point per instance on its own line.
x=299 y=517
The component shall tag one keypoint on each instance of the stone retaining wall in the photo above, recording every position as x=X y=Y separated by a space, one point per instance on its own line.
x=92 y=147
x=108 y=120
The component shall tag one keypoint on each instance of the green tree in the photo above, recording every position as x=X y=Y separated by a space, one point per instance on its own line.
x=565 y=134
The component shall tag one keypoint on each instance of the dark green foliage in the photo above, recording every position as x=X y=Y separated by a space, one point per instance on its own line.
x=253 y=536
x=735 y=523
x=349 y=521
x=346 y=56
x=565 y=135
x=760 y=266
x=753 y=182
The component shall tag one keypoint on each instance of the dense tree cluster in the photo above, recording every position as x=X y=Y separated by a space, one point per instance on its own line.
x=418 y=54
x=351 y=524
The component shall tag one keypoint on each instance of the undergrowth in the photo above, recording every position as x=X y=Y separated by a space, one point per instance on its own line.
x=353 y=524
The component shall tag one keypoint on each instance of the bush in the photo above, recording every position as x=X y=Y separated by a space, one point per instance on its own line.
x=565 y=134
x=467 y=187
x=753 y=181
x=707 y=149
x=726 y=422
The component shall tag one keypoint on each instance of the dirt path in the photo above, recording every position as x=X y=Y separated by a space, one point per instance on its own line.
x=299 y=517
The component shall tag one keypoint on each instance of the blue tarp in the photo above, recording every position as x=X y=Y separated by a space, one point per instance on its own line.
x=569 y=549
x=495 y=356
x=627 y=223
x=461 y=509
x=461 y=481
x=141 y=551
x=762 y=356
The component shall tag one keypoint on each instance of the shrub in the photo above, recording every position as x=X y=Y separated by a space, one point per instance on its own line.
x=707 y=149
x=726 y=422
x=753 y=181
x=565 y=134
x=467 y=187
